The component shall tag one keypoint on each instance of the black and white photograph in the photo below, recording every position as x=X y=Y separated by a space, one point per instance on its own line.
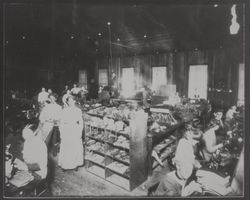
x=123 y=99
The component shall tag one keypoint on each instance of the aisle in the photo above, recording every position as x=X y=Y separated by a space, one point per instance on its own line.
x=83 y=183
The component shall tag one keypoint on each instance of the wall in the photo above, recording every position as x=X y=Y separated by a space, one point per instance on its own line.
x=222 y=70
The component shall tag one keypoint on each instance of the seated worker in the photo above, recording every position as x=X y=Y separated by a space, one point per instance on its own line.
x=104 y=96
x=178 y=182
x=185 y=150
x=217 y=120
x=229 y=119
x=230 y=113
x=209 y=141
x=35 y=155
x=83 y=93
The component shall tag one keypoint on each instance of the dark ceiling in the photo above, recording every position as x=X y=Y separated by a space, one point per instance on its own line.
x=71 y=29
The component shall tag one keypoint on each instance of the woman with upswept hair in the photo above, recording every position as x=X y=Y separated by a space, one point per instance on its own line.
x=71 y=127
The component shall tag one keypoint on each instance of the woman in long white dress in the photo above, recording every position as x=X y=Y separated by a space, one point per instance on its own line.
x=71 y=127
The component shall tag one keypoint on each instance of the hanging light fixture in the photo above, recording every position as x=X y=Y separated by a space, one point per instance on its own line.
x=110 y=48
x=234 y=28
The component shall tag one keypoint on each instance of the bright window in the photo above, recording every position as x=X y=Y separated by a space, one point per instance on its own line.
x=197 y=82
x=83 y=78
x=103 y=77
x=128 y=82
x=159 y=77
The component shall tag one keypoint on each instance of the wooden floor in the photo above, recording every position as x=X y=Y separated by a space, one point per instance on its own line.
x=84 y=183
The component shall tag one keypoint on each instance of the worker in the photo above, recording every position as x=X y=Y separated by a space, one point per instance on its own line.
x=179 y=182
x=230 y=113
x=34 y=154
x=75 y=90
x=146 y=97
x=104 y=96
x=43 y=96
x=66 y=87
x=209 y=141
x=65 y=97
x=49 y=116
x=71 y=127
x=185 y=150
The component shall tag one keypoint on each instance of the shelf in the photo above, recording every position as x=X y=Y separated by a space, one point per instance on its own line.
x=118 y=133
x=171 y=139
x=97 y=152
x=97 y=162
x=95 y=115
x=110 y=156
x=111 y=131
x=119 y=181
x=96 y=139
x=102 y=116
x=118 y=147
x=117 y=167
x=118 y=173
x=168 y=132
x=156 y=164
x=111 y=144
x=118 y=160
x=128 y=173
x=97 y=170
x=164 y=146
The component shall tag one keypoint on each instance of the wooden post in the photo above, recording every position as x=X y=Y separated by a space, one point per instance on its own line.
x=138 y=149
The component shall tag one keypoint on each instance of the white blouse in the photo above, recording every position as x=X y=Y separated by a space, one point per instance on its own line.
x=35 y=151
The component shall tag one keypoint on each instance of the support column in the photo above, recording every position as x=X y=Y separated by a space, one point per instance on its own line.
x=170 y=68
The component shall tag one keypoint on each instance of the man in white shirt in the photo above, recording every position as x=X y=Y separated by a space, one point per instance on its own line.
x=43 y=96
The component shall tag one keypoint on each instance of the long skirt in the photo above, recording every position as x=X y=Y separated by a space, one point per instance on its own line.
x=71 y=147
x=46 y=132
